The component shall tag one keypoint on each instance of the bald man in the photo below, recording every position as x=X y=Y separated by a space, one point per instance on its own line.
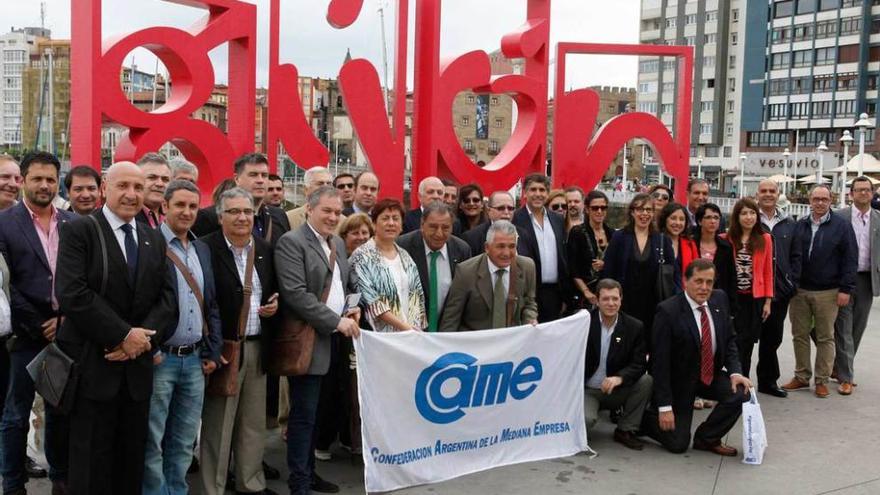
x=115 y=290
x=431 y=190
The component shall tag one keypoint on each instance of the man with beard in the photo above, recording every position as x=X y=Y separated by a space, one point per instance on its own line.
x=157 y=175
x=83 y=184
x=10 y=181
x=29 y=233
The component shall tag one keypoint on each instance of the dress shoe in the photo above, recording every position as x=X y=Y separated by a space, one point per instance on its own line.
x=321 y=485
x=33 y=469
x=59 y=488
x=717 y=448
x=795 y=384
x=270 y=473
x=628 y=439
x=773 y=390
x=822 y=390
x=845 y=388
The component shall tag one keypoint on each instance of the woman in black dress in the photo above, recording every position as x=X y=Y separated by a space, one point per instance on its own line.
x=586 y=247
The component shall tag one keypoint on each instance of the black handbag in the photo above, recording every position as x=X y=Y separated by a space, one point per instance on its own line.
x=56 y=375
x=665 y=284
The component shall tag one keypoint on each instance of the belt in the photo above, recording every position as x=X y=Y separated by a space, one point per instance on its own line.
x=180 y=350
x=252 y=337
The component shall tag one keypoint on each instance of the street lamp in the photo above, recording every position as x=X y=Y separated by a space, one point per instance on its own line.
x=700 y=167
x=785 y=156
x=863 y=124
x=821 y=150
x=742 y=174
x=846 y=140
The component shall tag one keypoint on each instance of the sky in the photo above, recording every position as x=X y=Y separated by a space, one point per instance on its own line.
x=318 y=50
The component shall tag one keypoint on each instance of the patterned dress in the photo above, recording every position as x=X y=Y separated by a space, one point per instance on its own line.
x=379 y=289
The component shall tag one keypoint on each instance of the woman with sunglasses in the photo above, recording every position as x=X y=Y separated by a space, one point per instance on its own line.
x=673 y=223
x=634 y=257
x=662 y=195
x=556 y=202
x=753 y=259
x=586 y=246
x=470 y=207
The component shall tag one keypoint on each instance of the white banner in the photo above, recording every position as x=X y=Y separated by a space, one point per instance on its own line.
x=438 y=406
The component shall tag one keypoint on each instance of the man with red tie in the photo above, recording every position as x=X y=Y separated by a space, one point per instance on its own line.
x=693 y=354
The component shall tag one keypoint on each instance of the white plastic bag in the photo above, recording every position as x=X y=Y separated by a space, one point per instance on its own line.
x=754 y=432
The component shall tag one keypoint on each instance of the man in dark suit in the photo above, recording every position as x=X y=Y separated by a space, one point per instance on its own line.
x=434 y=240
x=157 y=175
x=366 y=190
x=304 y=259
x=430 y=191
x=188 y=353
x=83 y=184
x=693 y=354
x=493 y=290
x=236 y=424
x=251 y=174
x=107 y=329
x=500 y=207
x=29 y=233
x=544 y=236
x=615 y=366
x=10 y=181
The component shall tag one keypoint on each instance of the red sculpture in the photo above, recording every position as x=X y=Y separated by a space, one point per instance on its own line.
x=579 y=156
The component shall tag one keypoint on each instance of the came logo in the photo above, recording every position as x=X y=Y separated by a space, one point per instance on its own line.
x=483 y=385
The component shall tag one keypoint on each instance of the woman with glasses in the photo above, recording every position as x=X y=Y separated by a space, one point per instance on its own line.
x=634 y=257
x=673 y=223
x=662 y=195
x=586 y=246
x=753 y=261
x=388 y=279
x=470 y=207
x=556 y=202
x=712 y=247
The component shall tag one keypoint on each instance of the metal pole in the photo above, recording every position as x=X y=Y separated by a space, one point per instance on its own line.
x=861 y=150
x=797 y=144
x=742 y=175
x=624 y=167
x=842 y=200
x=50 y=114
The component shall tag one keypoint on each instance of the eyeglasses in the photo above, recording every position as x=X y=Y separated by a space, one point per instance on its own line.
x=503 y=208
x=238 y=211
x=713 y=218
x=644 y=209
x=349 y=185
x=472 y=201
x=661 y=196
x=599 y=208
x=557 y=206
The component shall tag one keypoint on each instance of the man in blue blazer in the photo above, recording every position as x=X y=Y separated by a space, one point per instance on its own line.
x=29 y=234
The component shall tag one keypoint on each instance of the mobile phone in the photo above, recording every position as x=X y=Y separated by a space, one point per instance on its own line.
x=351 y=302
x=272 y=298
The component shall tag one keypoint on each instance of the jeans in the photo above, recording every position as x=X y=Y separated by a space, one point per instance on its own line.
x=175 y=412
x=16 y=423
x=305 y=391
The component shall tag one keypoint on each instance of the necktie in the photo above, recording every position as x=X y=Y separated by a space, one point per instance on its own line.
x=707 y=357
x=499 y=300
x=433 y=296
x=131 y=251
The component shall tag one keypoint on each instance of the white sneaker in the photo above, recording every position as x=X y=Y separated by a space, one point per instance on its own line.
x=323 y=455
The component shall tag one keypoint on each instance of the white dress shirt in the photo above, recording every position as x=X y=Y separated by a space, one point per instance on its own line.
x=697 y=315
x=444 y=274
x=546 y=248
x=599 y=376
x=504 y=280
x=861 y=224
x=116 y=224
x=336 y=296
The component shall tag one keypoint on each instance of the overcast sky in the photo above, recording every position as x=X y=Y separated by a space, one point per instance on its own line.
x=318 y=50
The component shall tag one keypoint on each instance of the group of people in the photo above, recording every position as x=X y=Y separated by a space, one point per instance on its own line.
x=178 y=315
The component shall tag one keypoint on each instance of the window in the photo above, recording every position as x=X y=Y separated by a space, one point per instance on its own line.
x=875 y=25
x=644 y=87
x=691 y=19
x=668 y=87
x=493 y=146
x=468 y=145
x=734 y=38
x=647 y=107
x=494 y=100
x=871 y=107
x=823 y=84
x=734 y=15
x=465 y=120
x=667 y=108
x=826 y=56
x=728 y=150
x=847 y=82
x=783 y=9
x=712 y=15
x=777 y=111
x=707 y=106
x=806 y=6
x=845 y=108
x=690 y=40
x=829 y=4
x=731 y=84
x=499 y=123
x=780 y=60
x=803 y=32
x=826 y=29
x=777 y=87
x=708 y=61
x=850 y=25
x=800 y=85
x=708 y=83
x=670 y=22
x=705 y=128
x=780 y=35
x=649 y=66
x=711 y=151
x=728 y=131
x=799 y=110
x=730 y=106
x=669 y=65
x=821 y=109
x=710 y=38
x=802 y=58
x=733 y=62
x=768 y=139
x=471 y=99
x=872 y=81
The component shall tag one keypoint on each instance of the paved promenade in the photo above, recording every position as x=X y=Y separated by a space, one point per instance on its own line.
x=817 y=446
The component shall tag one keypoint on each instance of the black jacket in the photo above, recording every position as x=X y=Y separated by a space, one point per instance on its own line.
x=523 y=220
x=230 y=291
x=626 y=354
x=786 y=258
x=675 y=349
x=207 y=222
x=476 y=239
x=834 y=258
x=413 y=244
x=725 y=268
x=95 y=323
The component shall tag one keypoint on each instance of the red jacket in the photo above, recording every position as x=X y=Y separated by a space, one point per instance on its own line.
x=687 y=252
x=762 y=268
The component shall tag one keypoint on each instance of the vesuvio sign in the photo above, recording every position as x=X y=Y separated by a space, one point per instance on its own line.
x=581 y=153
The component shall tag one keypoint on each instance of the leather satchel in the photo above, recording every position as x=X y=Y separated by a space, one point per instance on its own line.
x=665 y=284
x=224 y=381
x=291 y=352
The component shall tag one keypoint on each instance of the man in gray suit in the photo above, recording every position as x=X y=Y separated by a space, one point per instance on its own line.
x=853 y=318
x=436 y=253
x=303 y=266
x=493 y=290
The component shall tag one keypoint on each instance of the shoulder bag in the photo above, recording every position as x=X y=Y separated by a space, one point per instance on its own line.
x=665 y=284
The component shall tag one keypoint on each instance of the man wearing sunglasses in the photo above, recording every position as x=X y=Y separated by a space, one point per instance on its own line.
x=501 y=207
x=344 y=183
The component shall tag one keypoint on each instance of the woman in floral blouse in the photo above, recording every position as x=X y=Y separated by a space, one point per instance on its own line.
x=388 y=279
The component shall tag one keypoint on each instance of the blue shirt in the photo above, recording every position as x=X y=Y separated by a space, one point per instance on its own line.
x=189 y=323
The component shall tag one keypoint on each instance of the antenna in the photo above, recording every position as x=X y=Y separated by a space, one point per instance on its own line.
x=382 y=5
x=43 y=15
